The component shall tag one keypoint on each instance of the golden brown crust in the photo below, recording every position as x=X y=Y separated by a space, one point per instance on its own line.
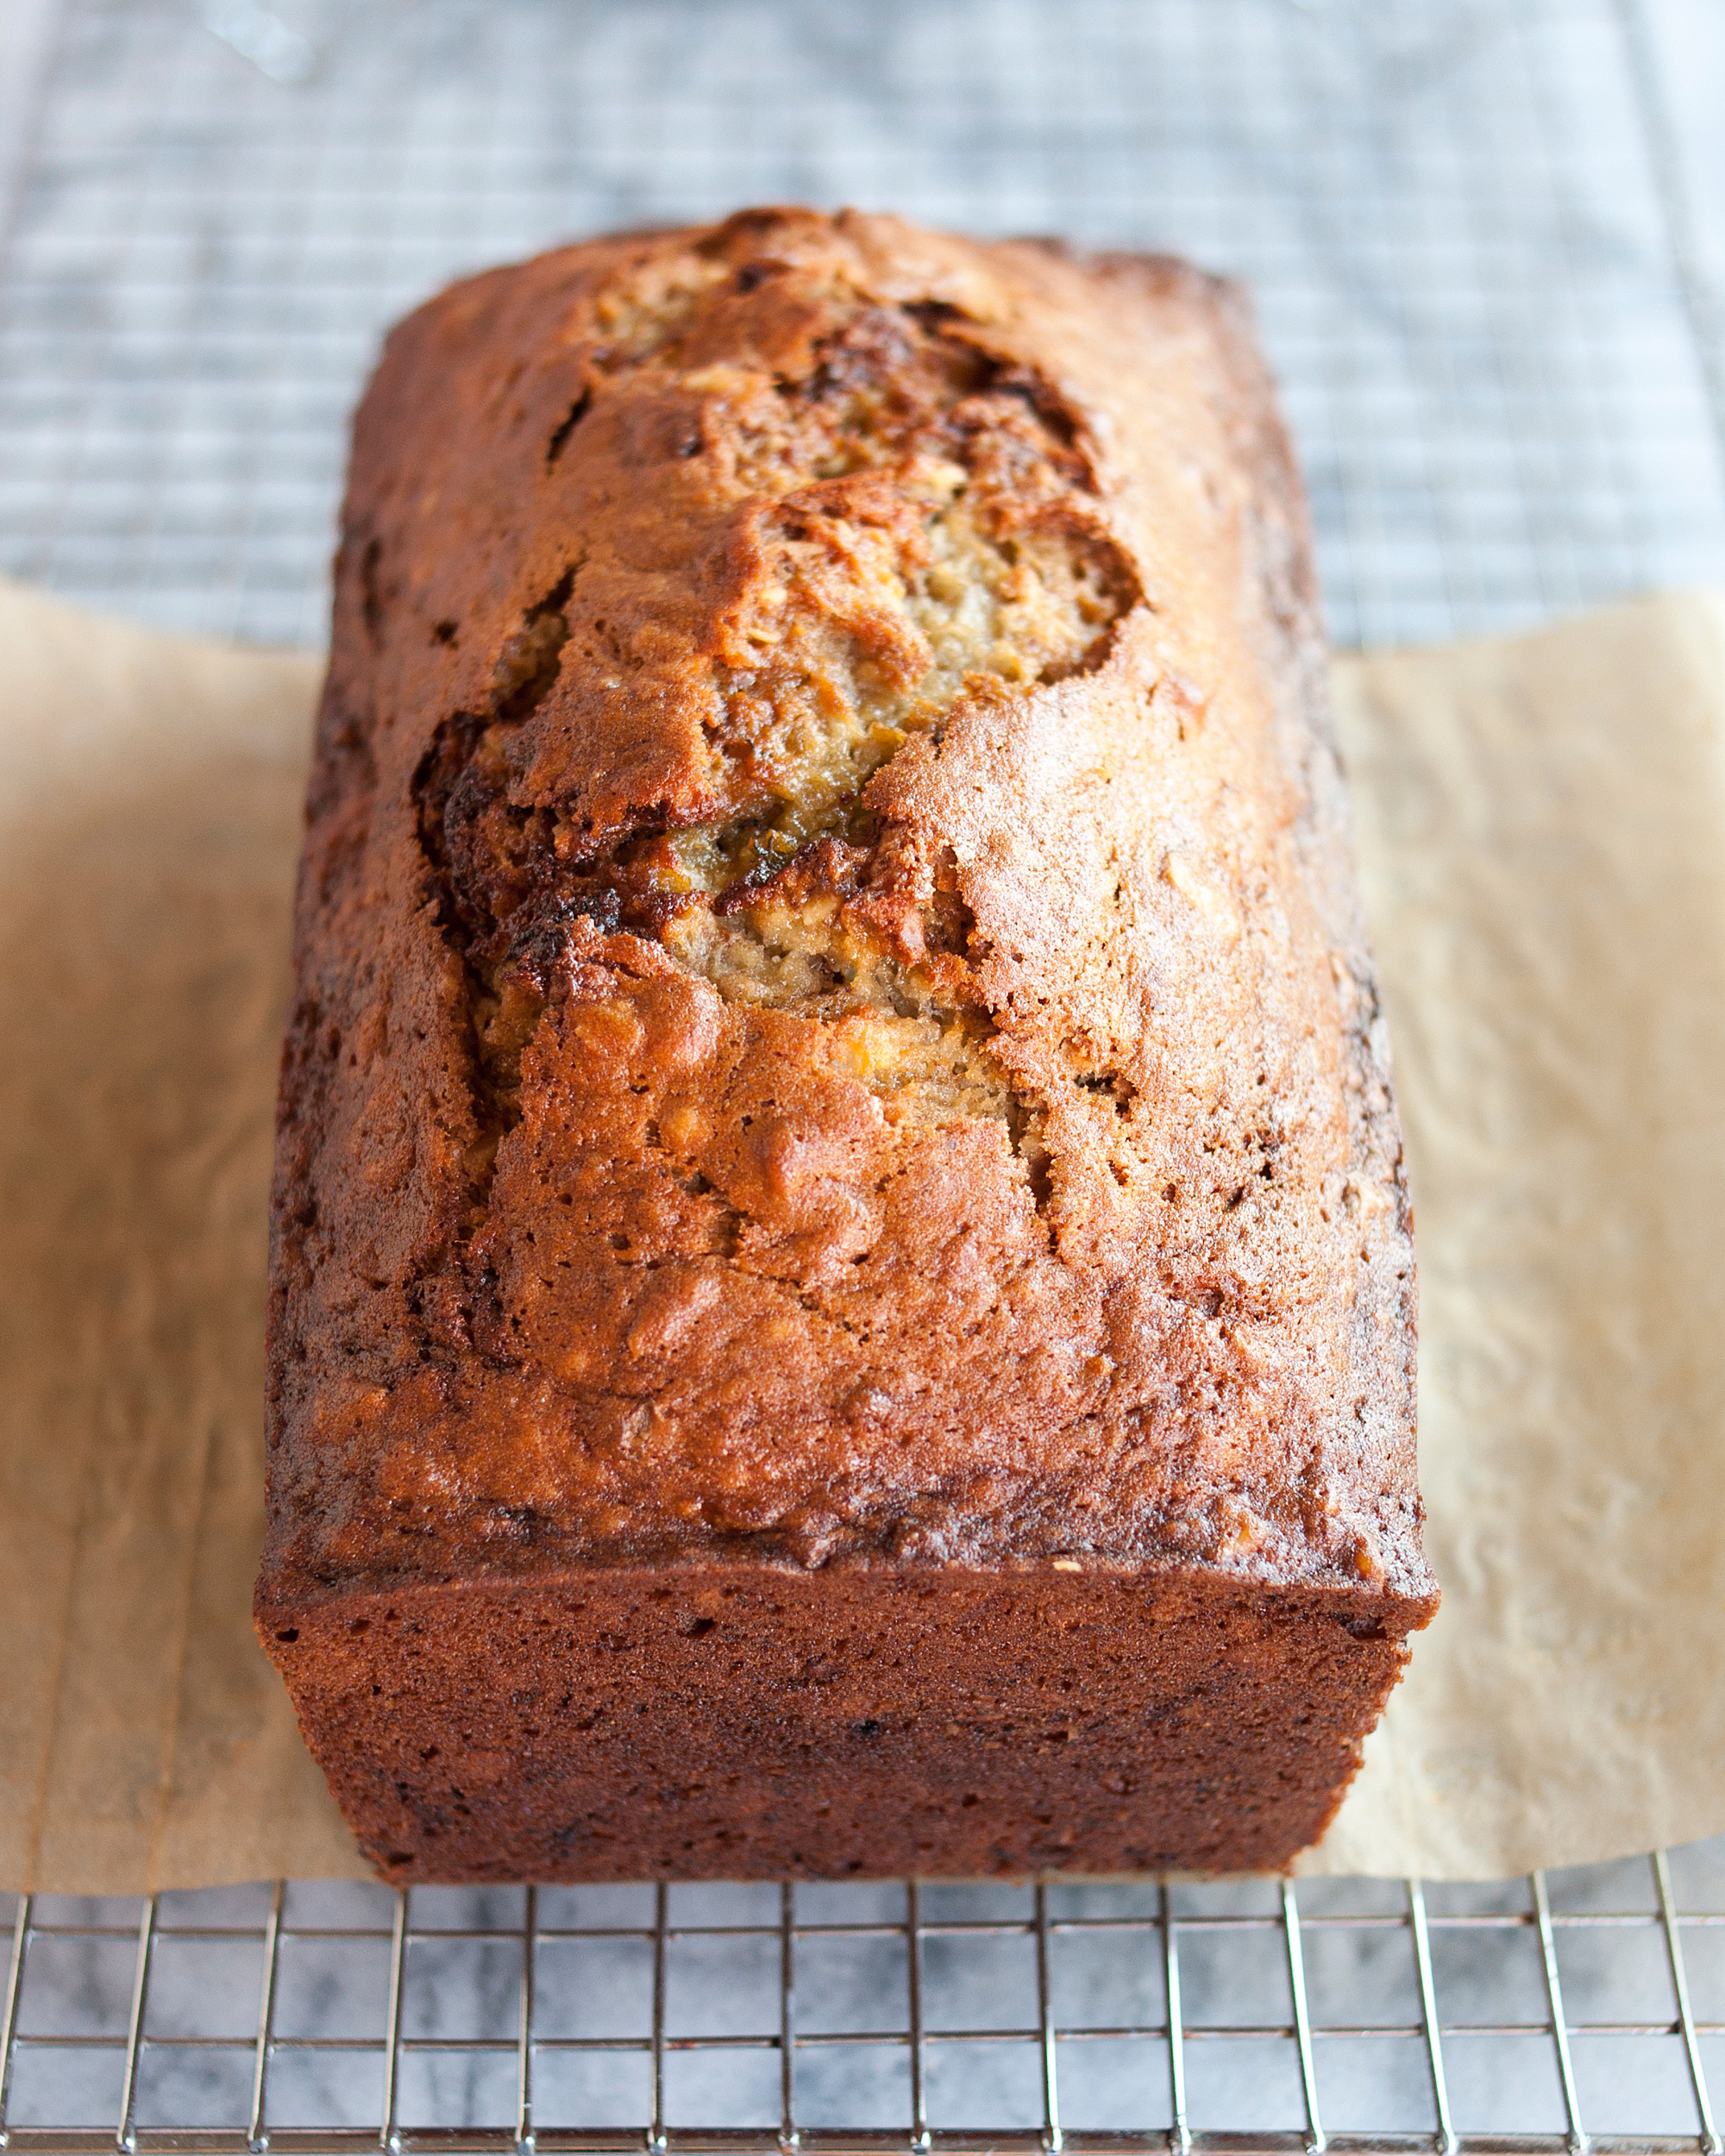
x=833 y=1026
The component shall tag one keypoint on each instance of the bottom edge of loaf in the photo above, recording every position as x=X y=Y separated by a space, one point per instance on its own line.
x=736 y=1721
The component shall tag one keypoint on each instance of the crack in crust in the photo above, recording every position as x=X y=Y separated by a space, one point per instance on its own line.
x=915 y=524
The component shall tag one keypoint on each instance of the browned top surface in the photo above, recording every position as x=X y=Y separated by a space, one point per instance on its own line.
x=832 y=1019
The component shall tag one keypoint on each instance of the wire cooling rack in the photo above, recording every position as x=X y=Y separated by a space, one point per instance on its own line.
x=902 y=2016
x=1486 y=278
x=766 y=2018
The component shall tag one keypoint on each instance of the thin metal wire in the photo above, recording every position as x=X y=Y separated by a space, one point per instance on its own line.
x=1697 y=2075
x=1559 y=2028
x=1129 y=2032
x=656 y=2131
x=1302 y=2015
x=9 y=2011
x=1429 y=2014
x=1044 y=2002
x=1693 y=284
x=125 y=2134
x=257 y=2138
x=913 y=1980
x=389 y=2133
x=1001 y=1928
x=1179 y=2134
x=759 y=2141
x=523 y=2068
x=500 y=2141
x=788 y=2016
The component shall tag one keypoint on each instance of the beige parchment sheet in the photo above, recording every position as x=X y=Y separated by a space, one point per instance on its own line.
x=1542 y=836
x=1540 y=825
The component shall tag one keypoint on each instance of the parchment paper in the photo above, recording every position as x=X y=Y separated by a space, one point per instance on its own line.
x=1540 y=825
x=1542 y=832
x=149 y=822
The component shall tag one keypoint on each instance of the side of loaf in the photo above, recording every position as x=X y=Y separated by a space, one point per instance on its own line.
x=842 y=1298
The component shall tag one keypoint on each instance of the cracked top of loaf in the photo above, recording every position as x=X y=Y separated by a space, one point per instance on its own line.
x=832 y=1022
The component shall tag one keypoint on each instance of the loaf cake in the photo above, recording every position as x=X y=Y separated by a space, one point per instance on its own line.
x=841 y=1298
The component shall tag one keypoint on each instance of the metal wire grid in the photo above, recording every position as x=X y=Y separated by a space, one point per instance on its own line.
x=1469 y=252
x=912 y=2009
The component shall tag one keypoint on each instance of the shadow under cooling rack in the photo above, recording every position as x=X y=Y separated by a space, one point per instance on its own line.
x=1243 y=2014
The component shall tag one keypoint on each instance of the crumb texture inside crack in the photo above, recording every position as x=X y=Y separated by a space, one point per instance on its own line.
x=854 y=526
